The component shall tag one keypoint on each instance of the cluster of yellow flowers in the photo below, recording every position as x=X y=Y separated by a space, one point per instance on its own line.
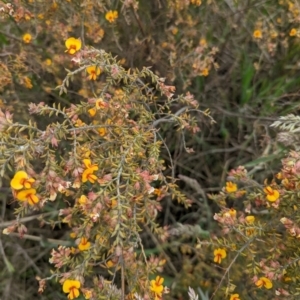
x=22 y=188
x=257 y=33
x=265 y=282
x=72 y=288
x=272 y=194
x=99 y=104
x=73 y=45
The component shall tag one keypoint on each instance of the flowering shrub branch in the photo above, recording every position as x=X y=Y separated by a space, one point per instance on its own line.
x=256 y=232
x=92 y=151
x=110 y=180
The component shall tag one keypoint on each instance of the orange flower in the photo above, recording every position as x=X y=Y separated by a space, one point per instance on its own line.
x=219 y=254
x=114 y=203
x=250 y=231
x=156 y=286
x=79 y=123
x=82 y=200
x=196 y=2
x=93 y=72
x=48 y=62
x=28 y=195
x=110 y=264
x=257 y=34
x=88 y=164
x=102 y=131
x=111 y=16
x=100 y=103
x=21 y=180
x=88 y=175
x=235 y=297
x=27 y=38
x=250 y=219
x=84 y=244
x=27 y=82
x=293 y=32
x=92 y=111
x=71 y=287
x=203 y=42
x=272 y=195
x=157 y=192
x=232 y=213
x=264 y=282
x=230 y=187
x=204 y=72
x=27 y=17
x=174 y=30
x=73 y=45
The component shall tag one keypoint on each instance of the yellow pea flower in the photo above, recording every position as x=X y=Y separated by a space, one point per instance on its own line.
x=27 y=82
x=88 y=175
x=102 y=131
x=250 y=219
x=219 y=254
x=235 y=297
x=71 y=287
x=257 y=34
x=21 y=180
x=27 y=38
x=230 y=187
x=28 y=195
x=293 y=32
x=156 y=286
x=204 y=72
x=88 y=164
x=93 y=72
x=82 y=200
x=111 y=16
x=232 y=213
x=264 y=282
x=84 y=244
x=92 y=111
x=109 y=264
x=73 y=45
x=272 y=195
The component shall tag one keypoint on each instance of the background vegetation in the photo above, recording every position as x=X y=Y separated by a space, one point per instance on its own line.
x=239 y=60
